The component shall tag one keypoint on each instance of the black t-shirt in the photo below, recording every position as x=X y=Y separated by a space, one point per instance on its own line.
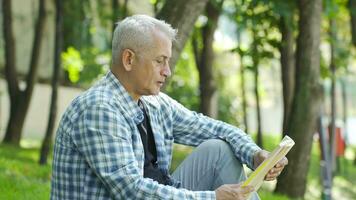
x=151 y=169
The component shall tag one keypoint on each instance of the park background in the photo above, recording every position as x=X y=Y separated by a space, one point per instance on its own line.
x=234 y=60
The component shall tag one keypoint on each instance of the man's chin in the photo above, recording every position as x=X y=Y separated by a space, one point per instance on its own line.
x=153 y=93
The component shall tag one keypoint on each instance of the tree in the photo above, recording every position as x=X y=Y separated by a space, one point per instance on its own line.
x=20 y=98
x=47 y=141
x=242 y=52
x=242 y=81
x=181 y=15
x=76 y=24
x=352 y=9
x=204 y=58
x=118 y=12
x=255 y=66
x=332 y=129
x=261 y=21
x=307 y=97
x=287 y=66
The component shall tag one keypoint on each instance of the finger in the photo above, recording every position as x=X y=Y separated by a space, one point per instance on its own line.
x=283 y=162
x=274 y=173
x=276 y=169
x=270 y=179
x=245 y=189
x=272 y=176
x=248 y=189
x=240 y=196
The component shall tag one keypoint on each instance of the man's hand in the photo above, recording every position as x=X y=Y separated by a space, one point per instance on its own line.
x=233 y=192
x=272 y=174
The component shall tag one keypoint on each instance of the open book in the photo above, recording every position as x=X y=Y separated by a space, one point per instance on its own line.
x=256 y=177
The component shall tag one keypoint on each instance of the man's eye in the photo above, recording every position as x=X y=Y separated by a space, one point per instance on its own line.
x=159 y=61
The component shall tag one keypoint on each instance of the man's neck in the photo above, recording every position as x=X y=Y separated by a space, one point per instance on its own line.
x=120 y=76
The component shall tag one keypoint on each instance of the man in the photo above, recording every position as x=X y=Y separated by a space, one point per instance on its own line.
x=115 y=140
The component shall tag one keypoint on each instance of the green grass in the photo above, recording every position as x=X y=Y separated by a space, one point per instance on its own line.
x=21 y=176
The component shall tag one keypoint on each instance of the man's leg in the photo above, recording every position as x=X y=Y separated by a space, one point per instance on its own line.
x=209 y=166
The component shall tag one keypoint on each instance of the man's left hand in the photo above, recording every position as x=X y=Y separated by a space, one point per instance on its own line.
x=272 y=174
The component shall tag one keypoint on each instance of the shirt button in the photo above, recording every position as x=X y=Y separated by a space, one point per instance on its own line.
x=139 y=118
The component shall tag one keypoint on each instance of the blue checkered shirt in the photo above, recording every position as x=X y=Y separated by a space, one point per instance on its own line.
x=98 y=152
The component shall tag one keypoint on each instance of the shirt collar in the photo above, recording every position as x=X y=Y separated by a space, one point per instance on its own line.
x=132 y=110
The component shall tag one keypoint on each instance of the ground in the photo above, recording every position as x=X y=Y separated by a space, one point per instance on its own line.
x=22 y=178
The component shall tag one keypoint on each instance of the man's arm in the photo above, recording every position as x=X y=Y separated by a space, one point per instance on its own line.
x=191 y=128
x=107 y=147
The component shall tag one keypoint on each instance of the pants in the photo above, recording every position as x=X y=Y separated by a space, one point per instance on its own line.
x=209 y=166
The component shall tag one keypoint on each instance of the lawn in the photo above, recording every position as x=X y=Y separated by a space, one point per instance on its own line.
x=22 y=178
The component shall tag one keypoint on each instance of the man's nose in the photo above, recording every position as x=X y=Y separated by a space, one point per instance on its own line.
x=166 y=71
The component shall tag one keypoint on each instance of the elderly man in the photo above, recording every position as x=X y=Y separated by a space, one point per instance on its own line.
x=115 y=140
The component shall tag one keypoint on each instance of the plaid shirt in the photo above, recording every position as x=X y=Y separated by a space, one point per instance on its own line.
x=98 y=153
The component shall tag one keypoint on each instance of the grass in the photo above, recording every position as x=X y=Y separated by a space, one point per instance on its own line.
x=20 y=175
x=22 y=178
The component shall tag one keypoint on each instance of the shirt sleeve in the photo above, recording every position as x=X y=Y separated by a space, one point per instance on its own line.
x=105 y=142
x=191 y=128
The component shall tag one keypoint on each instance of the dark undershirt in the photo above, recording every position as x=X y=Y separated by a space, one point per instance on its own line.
x=151 y=169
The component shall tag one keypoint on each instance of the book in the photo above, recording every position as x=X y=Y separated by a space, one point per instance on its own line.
x=256 y=177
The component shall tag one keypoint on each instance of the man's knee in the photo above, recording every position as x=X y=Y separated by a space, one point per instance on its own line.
x=217 y=146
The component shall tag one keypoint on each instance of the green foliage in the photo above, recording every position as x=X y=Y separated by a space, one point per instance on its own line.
x=75 y=24
x=228 y=110
x=324 y=68
x=183 y=85
x=72 y=63
x=87 y=28
x=96 y=63
x=85 y=67
x=337 y=35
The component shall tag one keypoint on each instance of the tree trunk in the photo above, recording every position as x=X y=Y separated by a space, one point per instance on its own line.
x=182 y=16
x=307 y=97
x=76 y=25
x=332 y=130
x=47 y=141
x=287 y=68
x=258 y=107
x=243 y=93
x=255 y=63
x=124 y=9
x=20 y=100
x=204 y=60
x=242 y=76
x=115 y=14
x=16 y=120
x=352 y=9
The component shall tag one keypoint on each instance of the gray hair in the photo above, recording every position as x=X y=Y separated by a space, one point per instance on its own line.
x=135 y=33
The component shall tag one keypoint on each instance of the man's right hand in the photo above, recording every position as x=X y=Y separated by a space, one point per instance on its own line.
x=233 y=191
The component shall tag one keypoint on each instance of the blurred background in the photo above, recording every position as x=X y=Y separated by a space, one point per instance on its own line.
x=270 y=67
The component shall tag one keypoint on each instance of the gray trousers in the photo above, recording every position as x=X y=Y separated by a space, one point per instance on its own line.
x=209 y=166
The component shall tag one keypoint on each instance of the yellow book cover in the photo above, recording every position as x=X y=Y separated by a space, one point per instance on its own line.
x=256 y=177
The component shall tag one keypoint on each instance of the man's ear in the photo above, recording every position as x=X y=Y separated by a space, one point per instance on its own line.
x=127 y=59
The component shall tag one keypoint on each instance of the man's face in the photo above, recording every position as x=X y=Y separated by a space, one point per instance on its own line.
x=151 y=68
